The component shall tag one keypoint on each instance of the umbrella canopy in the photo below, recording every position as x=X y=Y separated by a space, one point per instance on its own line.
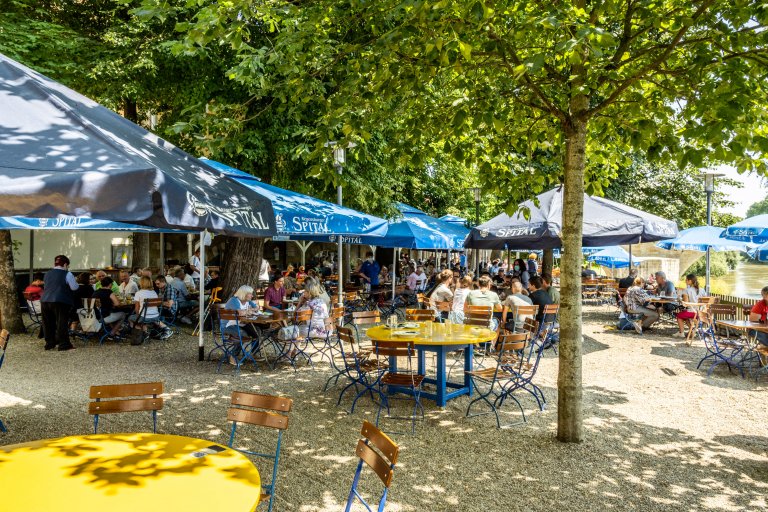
x=68 y=222
x=298 y=214
x=64 y=154
x=702 y=238
x=752 y=229
x=606 y=223
x=414 y=230
x=612 y=257
x=760 y=253
x=453 y=219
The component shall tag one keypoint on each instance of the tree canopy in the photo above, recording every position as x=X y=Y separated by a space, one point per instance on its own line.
x=758 y=208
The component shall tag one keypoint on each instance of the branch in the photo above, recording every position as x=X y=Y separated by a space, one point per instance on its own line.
x=651 y=65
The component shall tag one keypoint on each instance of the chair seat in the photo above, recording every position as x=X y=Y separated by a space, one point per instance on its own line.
x=762 y=349
x=368 y=366
x=488 y=373
x=232 y=337
x=402 y=379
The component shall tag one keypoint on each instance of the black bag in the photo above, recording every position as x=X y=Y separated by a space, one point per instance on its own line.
x=136 y=336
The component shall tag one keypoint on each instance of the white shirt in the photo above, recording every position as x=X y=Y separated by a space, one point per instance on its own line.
x=188 y=282
x=194 y=262
x=128 y=288
x=264 y=271
x=459 y=298
x=140 y=296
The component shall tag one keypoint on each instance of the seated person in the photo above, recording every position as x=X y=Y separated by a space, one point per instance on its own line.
x=169 y=295
x=416 y=282
x=759 y=313
x=127 y=286
x=460 y=293
x=442 y=292
x=242 y=300
x=141 y=318
x=588 y=273
x=101 y=275
x=539 y=296
x=302 y=273
x=311 y=300
x=214 y=281
x=384 y=276
x=187 y=305
x=34 y=291
x=690 y=294
x=499 y=277
x=636 y=302
x=483 y=296
x=514 y=299
x=108 y=301
x=665 y=288
x=626 y=282
x=291 y=284
x=274 y=295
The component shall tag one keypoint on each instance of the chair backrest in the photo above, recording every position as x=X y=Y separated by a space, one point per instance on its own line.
x=378 y=451
x=709 y=300
x=443 y=306
x=261 y=410
x=302 y=316
x=394 y=348
x=125 y=398
x=550 y=310
x=226 y=315
x=419 y=315
x=511 y=342
x=525 y=310
x=150 y=303
x=531 y=327
x=366 y=317
x=337 y=312
x=478 y=315
x=746 y=309
x=723 y=311
x=351 y=296
x=399 y=289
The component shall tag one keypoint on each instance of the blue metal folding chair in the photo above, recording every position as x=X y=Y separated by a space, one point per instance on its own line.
x=357 y=367
x=4 y=337
x=719 y=350
x=263 y=411
x=380 y=453
x=34 y=313
x=236 y=345
x=122 y=401
x=403 y=380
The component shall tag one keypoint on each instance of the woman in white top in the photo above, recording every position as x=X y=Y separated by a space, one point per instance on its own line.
x=152 y=314
x=691 y=294
x=442 y=292
x=459 y=298
x=242 y=300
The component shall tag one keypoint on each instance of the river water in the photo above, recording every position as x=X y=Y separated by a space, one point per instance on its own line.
x=746 y=280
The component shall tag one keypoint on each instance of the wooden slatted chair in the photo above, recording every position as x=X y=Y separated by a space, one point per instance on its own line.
x=380 y=453
x=5 y=337
x=518 y=316
x=236 y=344
x=590 y=289
x=297 y=341
x=406 y=379
x=364 y=318
x=263 y=411
x=357 y=367
x=119 y=400
x=419 y=315
x=549 y=331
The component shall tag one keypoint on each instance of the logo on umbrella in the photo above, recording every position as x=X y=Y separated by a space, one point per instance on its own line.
x=233 y=216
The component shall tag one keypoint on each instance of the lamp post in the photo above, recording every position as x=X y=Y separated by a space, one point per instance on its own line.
x=477 y=193
x=339 y=159
x=709 y=188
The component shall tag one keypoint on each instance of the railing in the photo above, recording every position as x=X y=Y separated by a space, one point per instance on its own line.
x=739 y=302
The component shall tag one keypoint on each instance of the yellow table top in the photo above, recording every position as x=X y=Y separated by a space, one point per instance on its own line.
x=126 y=472
x=442 y=334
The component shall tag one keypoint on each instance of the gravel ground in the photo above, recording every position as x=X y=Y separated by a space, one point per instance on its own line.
x=659 y=433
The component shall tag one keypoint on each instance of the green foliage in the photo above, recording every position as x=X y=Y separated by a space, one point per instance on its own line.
x=758 y=208
x=720 y=263
x=672 y=193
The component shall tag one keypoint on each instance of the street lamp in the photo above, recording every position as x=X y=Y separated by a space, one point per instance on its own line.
x=339 y=159
x=709 y=188
x=477 y=193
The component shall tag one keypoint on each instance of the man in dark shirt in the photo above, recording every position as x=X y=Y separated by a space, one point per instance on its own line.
x=588 y=273
x=56 y=302
x=538 y=296
x=369 y=270
x=626 y=282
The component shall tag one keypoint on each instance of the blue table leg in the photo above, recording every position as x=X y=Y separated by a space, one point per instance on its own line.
x=422 y=361
x=468 y=366
x=441 y=376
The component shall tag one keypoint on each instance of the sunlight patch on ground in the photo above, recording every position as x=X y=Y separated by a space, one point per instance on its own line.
x=7 y=400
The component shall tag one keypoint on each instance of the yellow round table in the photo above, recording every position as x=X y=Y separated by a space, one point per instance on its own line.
x=440 y=339
x=126 y=472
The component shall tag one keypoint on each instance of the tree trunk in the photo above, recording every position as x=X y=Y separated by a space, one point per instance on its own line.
x=548 y=261
x=10 y=314
x=141 y=250
x=130 y=110
x=569 y=399
x=242 y=264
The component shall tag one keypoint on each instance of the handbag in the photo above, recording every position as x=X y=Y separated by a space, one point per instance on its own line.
x=87 y=317
x=136 y=336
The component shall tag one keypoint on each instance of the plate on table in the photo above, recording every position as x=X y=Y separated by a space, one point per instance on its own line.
x=406 y=333
x=409 y=325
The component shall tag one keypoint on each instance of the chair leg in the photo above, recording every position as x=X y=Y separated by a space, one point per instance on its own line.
x=2 y=427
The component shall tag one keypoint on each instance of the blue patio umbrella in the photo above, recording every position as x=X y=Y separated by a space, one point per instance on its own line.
x=612 y=257
x=752 y=229
x=68 y=222
x=702 y=238
x=453 y=219
x=302 y=217
x=760 y=253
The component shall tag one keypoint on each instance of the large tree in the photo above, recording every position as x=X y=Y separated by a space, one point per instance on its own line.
x=758 y=208
x=494 y=83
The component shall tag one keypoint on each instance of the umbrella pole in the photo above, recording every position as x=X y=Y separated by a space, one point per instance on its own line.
x=201 y=306
x=394 y=271
x=162 y=254
x=31 y=255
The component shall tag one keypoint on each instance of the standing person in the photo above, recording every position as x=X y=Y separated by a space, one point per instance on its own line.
x=264 y=271
x=369 y=271
x=195 y=266
x=533 y=267
x=56 y=302
x=690 y=294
